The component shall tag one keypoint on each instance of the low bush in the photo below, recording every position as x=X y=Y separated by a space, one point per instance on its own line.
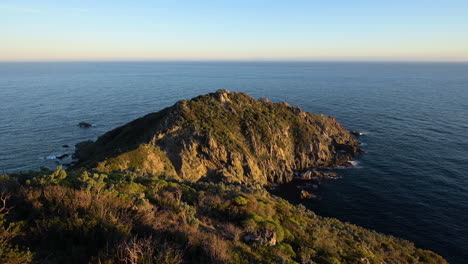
x=88 y=217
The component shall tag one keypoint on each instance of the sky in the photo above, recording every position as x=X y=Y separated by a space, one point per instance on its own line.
x=337 y=30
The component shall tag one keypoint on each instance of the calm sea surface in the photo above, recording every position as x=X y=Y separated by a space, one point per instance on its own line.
x=412 y=183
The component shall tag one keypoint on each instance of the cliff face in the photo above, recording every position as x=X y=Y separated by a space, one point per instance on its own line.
x=223 y=136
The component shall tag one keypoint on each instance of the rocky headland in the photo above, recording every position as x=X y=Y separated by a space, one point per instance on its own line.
x=223 y=136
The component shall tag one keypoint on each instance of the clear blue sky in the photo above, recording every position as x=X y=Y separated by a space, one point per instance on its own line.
x=234 y=29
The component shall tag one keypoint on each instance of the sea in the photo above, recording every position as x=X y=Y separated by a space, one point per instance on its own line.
x=412 y=182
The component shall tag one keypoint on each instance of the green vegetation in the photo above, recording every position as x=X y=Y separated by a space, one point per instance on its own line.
x=129 y=217
x=222 y=136
x=145 y=158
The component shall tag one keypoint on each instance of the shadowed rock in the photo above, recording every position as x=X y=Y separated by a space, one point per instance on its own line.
x=84 y=125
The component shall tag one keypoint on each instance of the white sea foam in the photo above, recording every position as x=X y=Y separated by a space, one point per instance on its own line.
x=51 y=157
x=355 y=163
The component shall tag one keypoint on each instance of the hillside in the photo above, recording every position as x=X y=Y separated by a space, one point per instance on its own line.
x=223 y=136
x=89 y=217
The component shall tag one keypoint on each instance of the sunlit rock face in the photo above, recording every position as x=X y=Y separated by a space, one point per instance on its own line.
x=223 y=136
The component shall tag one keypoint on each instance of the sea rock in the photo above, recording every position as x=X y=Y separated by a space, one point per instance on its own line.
x=360 y=151
x=310 y=174
x=307 y=195
x=357 y=134
x=62 y=156
x=223 y=136
x=84 y=125
x=65 y=146
x=331 y=175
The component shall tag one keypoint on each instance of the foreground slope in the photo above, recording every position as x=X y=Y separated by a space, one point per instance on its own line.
x=86 y=217
x=223 y=136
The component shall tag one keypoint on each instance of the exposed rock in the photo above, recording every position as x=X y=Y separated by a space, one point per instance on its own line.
x=315 y=175
x=357 y=134
x=62 y=156
x=264 y=237
x=360 y=151
x=84 y=125
x=307 y=195
x=65 y=146
x=310 y=174
x=223 y=136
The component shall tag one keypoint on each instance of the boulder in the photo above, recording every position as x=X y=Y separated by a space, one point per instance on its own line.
x=307 y=195
x=264 y=237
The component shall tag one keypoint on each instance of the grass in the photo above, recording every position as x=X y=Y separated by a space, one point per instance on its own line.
x=135 y=218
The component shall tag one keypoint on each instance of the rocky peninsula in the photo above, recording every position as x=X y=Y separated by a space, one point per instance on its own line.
x=223 y=136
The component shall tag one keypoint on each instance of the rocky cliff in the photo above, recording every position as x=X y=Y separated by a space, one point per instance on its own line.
x=224 y=136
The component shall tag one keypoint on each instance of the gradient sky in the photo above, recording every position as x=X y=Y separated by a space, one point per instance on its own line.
x=234 y=29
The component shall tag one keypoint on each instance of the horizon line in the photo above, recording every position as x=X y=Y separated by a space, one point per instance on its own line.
x=238 y=60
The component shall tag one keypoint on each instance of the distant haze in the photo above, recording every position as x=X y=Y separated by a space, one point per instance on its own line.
x=369 y=30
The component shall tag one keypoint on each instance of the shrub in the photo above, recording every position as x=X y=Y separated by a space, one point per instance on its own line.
x=240 y=201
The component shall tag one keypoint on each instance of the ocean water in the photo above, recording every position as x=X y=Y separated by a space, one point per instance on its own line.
x=412 y=183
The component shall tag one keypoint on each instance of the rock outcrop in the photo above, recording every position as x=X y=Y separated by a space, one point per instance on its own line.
x=307 y=195
x=223 y=136
x=84 y=125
